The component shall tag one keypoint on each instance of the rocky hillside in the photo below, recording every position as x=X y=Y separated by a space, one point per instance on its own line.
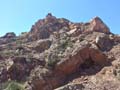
x=58 y=54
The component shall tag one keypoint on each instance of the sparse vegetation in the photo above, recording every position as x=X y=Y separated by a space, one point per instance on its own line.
x=117 y=72
x=9 y=53
x=52 y=60
x=11 y=85
x=64 y=44
x=23 y=33
x=19 y=42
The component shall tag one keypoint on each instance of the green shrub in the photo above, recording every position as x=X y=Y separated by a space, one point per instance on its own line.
x=52 y=60
x=23 y=33
x=14 y=86
x=19 y=42
x=9 y=53
x=62 y=46
x=52 y=63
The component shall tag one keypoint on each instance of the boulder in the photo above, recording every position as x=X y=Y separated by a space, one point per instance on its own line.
x=18 y=70
x=74 y=32
x=42 y=45
x=73 y=62
x=97 y=56
x=21 y=67
x=104 y=42
x=45 y=79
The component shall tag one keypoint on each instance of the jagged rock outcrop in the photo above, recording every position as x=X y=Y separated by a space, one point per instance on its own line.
x=9 y=35
x=84 y=56
x=96 y=24
x=45 y=27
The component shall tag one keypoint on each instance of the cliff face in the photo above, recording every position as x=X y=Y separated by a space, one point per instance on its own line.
x=62 y=55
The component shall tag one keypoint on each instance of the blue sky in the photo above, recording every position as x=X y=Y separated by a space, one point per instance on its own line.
x=19 y=15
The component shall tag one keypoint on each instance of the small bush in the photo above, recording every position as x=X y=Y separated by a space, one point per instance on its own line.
x=9 y=53
x=52 y=63
x=11 y=85
x=23 y=33
x=62 y=46
x=52 y=60
x=14 y=86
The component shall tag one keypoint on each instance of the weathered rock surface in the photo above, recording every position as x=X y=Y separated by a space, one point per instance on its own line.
x=45 y=27
x=9 y=35
x=3 y=72
x=98 y=25
x=21 y=67
x=42 y=45
x=104 y=42
x=68 y=65
x=62 y=55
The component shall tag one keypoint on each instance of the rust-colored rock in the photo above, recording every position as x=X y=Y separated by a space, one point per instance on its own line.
x=57 y=52
x=96 y=24
x=97 y=56
x=69 y=65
